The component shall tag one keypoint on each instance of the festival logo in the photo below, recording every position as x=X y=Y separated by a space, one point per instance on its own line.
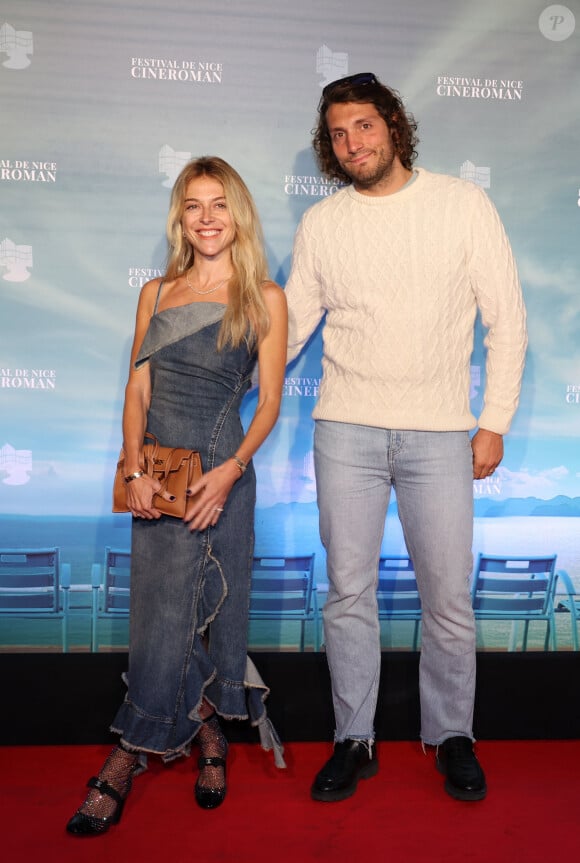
x=139 y=275
x=489 y=486
x=481 y=176
x=475 y=381
x=557 y=23
x=17 y=260
x=311 y=187
x=23 y=171
x=301 y=387
x=27 y=379
x=487 y=89
x=171 y=162
x=178 y=71
x=308 y=468
x=17 y=44
x=15 y=465
x=330 y=64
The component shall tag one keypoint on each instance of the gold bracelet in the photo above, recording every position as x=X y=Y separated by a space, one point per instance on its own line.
x=240 y=463
x=133 y=476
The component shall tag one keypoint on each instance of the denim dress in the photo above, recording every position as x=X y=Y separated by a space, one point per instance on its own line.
x=190 y=590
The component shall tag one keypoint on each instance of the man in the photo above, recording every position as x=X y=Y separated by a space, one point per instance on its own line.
x=399 y=261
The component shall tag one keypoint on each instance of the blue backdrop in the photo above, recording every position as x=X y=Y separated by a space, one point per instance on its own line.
x=103 y=103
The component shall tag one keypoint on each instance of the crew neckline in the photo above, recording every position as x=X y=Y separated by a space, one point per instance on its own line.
x=378 y=200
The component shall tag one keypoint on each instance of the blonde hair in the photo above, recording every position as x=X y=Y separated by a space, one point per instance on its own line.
x=246 y=317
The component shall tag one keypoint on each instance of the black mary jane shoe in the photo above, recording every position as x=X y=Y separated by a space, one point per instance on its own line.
x=82 y=824
x=210 y=798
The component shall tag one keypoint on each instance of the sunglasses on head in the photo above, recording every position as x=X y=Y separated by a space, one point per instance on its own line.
x=361 y=78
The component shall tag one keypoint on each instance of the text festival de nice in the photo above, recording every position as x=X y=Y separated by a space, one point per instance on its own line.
x=25 y=379
x=34 y=172
x=177 y=70
x=480 y=88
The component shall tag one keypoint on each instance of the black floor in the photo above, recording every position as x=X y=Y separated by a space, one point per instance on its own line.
x=72 y=698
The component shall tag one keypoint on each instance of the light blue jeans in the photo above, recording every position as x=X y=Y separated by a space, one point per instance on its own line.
x=432 y=474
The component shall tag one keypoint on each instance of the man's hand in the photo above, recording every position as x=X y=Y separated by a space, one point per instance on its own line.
x=487 y=449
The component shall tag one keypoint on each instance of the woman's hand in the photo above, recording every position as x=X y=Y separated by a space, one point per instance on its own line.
x=140 y=493
x=209 y=495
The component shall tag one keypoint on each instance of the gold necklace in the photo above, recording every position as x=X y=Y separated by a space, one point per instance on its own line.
x=211 y=290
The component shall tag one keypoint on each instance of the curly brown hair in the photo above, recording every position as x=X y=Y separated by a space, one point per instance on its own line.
x=389 y=105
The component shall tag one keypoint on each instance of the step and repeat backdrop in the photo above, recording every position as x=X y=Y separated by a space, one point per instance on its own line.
x=103 y=103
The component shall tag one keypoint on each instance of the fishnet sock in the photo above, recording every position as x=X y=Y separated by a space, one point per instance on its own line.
x=117 y=771
x=212 y=743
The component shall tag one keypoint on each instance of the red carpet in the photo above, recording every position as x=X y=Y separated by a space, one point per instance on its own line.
x=531 y=814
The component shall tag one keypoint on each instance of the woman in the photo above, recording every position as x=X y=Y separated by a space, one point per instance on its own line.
x=199 y=332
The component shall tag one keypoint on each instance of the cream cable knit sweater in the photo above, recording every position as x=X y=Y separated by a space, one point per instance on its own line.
x=400 y=278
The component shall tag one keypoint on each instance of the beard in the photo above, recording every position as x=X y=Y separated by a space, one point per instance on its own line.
x=368 y=177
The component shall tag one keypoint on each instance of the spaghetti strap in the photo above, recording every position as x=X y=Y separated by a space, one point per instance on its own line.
x=157 y=298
